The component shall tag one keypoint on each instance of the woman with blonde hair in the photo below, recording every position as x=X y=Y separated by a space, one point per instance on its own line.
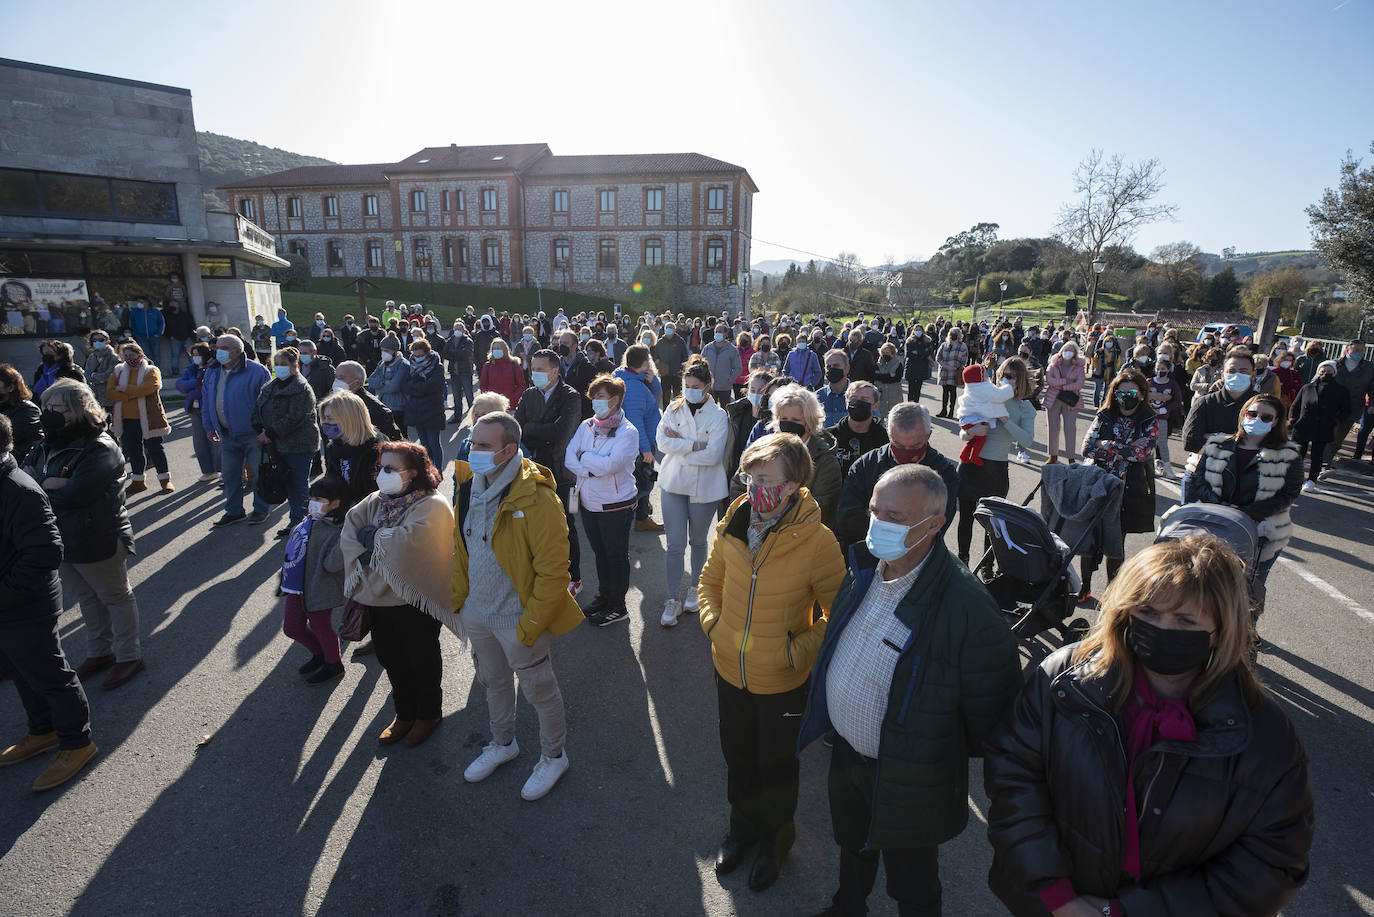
x=502 y=372
x=350 y=445
x=1145 y=769
x=889 y=375
x=744 y=343
x=772 y=561
x=798 y=411
x=135 y=390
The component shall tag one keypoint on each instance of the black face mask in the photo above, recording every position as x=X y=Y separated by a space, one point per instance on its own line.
x=49 y=359
x=1168 y=652
x=563 y=350
x=1128 y=401
x=860 y=410
x=51 y=421
x=791 y=426
x=834 y=374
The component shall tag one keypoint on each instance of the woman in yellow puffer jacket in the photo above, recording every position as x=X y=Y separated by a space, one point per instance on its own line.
x=772 y=561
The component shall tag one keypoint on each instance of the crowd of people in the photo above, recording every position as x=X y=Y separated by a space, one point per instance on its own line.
x=832 y=606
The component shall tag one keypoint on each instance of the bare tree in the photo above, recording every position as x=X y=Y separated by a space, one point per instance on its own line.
x=1180 y=264
x=1115 y=199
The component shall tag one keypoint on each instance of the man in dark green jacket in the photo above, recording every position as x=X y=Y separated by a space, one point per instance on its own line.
x=918 y=665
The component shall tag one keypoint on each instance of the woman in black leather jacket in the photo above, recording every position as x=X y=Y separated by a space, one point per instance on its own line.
x=1145 y=770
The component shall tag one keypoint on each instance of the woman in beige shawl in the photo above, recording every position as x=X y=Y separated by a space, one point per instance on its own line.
x=137 y=418
x=398 y=557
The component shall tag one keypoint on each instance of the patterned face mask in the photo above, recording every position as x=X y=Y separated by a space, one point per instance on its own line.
x=765 y=498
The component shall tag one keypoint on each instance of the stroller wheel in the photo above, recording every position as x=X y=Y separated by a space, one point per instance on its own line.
x=1076 y=629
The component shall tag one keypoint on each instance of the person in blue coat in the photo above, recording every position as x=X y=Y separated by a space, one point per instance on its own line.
x=643 y=392
x=230 y=390
x=280 y=327
x=424 y=393
x=147 y=325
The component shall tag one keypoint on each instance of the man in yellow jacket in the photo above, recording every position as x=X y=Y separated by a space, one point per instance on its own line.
x=510 y=551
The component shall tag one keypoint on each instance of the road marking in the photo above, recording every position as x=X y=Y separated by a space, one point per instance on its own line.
x=1330 y=590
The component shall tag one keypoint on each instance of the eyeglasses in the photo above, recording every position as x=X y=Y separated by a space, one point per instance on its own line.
x=390 y=468
x=748 y=479
x=1256 y=415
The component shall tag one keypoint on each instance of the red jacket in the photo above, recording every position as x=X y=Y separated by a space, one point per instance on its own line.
x=504 y=376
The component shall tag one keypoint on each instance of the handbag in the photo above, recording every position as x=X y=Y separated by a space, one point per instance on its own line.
x=357 y=621
x=1068 y=397
x=273 y=476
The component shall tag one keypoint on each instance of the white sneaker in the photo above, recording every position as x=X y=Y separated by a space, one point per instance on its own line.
x=1310 y=487
x=207 y=478
x=545 y=775
x=1023 y=456
x=671 y=609
x=691 y=605
x=1325 y=475
x=492 y=757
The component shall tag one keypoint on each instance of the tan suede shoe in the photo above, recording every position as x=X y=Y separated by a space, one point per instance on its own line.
x=27 y=747
x=395 y=732
x=66 y=764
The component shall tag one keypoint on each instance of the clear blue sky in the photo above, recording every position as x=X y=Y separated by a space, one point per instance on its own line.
x=873 y=127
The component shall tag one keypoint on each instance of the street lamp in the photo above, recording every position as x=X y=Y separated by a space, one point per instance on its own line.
x=1098 y=267
x=1003 y=287
x=1297 y=319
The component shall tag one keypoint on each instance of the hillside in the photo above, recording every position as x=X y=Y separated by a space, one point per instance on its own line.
x=225 y=159
x=1247 y=264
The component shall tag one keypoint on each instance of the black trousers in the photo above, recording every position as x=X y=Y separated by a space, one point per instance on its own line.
x=913 y=874
x=574 y=544
x=990 y=479
x=672 y=387
x=949 y=399
x=609 y=536
x=913 y=392
x=407 y=642
x=1318 y=448
x=758 y=737
x=31 y=654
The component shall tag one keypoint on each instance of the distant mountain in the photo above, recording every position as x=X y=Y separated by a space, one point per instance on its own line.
x=226 y=159
x=1248 y=264
x=777 y=266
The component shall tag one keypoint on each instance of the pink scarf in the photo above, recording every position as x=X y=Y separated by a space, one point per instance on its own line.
x=610 y=423
x=1149 y=718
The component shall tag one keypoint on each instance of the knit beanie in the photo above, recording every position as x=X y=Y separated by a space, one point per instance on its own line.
x=973 y=373
x=391 y=342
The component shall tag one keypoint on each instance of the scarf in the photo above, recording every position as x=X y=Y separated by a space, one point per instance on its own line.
x=759 y=527
x=393 y=509
x=1149 y=718
x=422 y=367
x=604 y=427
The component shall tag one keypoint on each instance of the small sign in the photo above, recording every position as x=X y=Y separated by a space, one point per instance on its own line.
x=398 y=245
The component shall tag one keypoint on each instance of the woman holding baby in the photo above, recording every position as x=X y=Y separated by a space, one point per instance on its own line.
x=1001 y=414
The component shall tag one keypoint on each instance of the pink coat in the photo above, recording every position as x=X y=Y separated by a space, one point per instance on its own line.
x=1064 y=375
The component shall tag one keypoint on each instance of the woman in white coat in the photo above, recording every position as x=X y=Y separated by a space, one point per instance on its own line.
x=692 y=435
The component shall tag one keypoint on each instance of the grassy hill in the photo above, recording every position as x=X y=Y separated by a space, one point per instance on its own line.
x=226 y=159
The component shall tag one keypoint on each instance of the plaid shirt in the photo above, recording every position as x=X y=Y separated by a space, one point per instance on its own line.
x=860 y=674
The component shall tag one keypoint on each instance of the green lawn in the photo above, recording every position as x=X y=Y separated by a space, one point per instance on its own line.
x=1031 y=309
x=334 y=297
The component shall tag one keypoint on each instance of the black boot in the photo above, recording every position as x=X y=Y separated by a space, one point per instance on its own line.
x=733 y=849
x=768 y=863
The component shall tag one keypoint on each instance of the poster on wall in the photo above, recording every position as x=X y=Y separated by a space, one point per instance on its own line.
x=30 y=305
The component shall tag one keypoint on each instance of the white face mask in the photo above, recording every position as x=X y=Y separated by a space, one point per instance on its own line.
x=694 y=395
x=390 y=482
x=317 y=508
x=388 y=356
x=341 y=386
x=602 y=407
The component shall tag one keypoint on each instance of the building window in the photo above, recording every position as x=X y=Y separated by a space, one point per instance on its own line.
x=488 y=200
x=653 y=199
x=374 y=255
x=560 y=202
x=653 y=252
x=462 y=253
x=370 y=205
x=562 y=250
x=331 y=206
x=336 y=258
x=417 y=200
x=491 y=252
x=293 y=207
x=26 y=192
x=715 y=199
x=247 y=210
x=605 y=254
x=298 y=247
x=445 y=201
x=715 y=253
x=448 y=251
x=608 y=200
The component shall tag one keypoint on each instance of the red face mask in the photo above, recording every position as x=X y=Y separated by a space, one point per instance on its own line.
x=765 y=499
x=907 y=456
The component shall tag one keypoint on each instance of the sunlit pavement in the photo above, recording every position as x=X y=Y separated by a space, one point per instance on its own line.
x=224 y=785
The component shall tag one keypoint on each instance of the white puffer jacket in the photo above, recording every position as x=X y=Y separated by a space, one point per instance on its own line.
x=701 y=474
x=605 y=467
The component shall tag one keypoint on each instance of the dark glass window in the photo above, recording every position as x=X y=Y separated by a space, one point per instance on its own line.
x=18 y=190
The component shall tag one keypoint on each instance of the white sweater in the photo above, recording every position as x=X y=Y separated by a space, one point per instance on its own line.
x=605 y=468
x=700 y=474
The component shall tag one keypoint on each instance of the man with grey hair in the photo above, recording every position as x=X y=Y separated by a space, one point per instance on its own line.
x=228 y=394
x=510 y=551
x=351 y=376
x=908 y=433
x=917 y=667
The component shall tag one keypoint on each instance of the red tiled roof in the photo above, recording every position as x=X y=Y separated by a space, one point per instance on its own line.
x=632 y=164
x=311 y=176
x=453 y=158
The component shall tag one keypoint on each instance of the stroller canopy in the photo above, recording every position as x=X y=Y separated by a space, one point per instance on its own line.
x=1233 y=527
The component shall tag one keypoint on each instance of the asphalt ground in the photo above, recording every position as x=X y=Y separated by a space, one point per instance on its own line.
x=226 y=786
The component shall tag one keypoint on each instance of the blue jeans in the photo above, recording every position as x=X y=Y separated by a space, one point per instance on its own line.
x=178 y=351
x=430 y=439
x=1099 y=388
x=298 y=486
x=460 y=384
x=152 y=349
x=236 y=452
x=207 y=453
x=685 y=522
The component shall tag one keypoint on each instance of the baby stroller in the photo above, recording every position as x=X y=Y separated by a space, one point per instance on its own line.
x=1231 y=526
x=1029 y=570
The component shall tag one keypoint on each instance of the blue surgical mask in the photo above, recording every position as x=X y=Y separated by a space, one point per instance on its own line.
x=482 y=463
x=719 y=337
x=1256 y=427
x=281 y=372
x=602 y=407
x=306 y=358
x=1236 y=382
x=756 y=398
x=222 y=355
x=540 y=379
x=529 y=337
x=99 y=345
x=694 y=395
x=887 y=540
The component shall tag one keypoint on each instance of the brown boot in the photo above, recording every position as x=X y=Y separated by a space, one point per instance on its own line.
x=121 y=673
x=136 y=486
x=94 y=664
x=396 y=731
x=1052 y=460
x=648 y=525
x=27 y=747
x=66 y=764
x=166 y=482
x=422 y=730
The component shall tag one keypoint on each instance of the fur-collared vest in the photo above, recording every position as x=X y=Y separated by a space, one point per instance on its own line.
x=136 y=392
x=1216 y=464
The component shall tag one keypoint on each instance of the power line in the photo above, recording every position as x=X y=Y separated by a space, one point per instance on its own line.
x=793 y=248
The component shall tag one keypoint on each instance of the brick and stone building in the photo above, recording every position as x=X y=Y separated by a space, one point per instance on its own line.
x=516 y=215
